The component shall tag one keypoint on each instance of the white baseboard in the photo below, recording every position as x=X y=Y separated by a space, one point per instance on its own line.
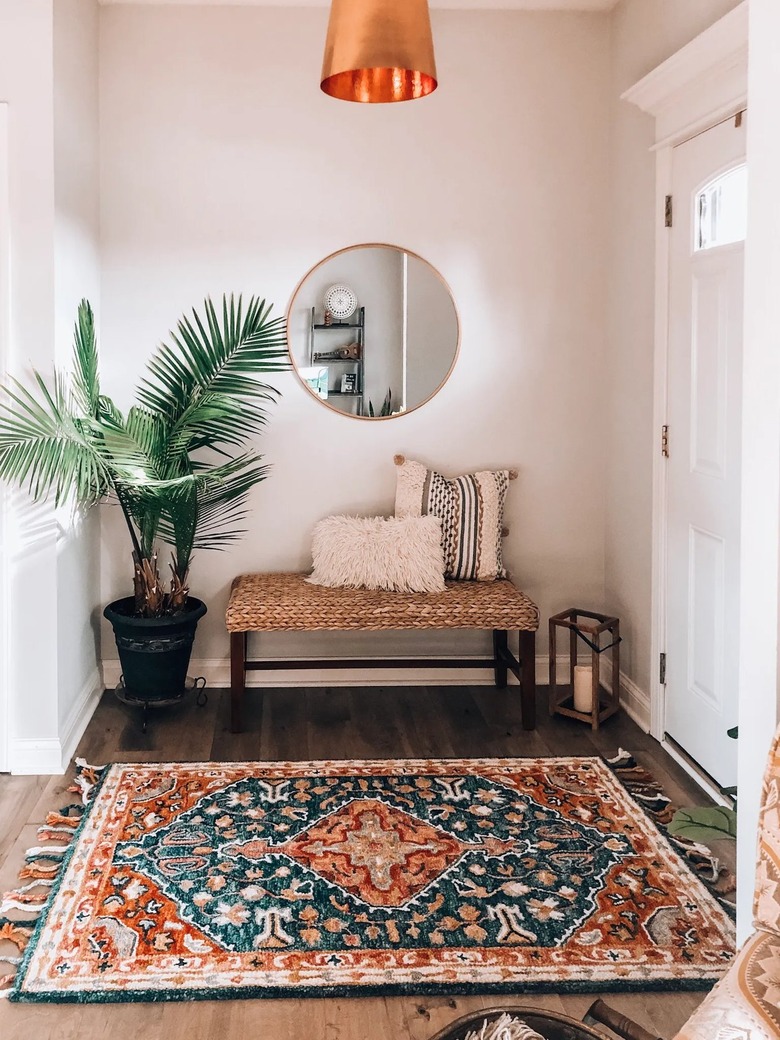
x=51 y=757
x=216 y=672
x=35 y=757
x=635 y=702
x=78 y=718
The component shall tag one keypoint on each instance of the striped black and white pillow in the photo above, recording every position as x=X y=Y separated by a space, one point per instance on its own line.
x=471 y=510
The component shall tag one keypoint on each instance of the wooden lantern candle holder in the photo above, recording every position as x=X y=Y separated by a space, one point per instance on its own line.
x=591 y=703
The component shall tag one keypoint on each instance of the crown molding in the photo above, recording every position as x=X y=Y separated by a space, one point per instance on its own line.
x=708 y=74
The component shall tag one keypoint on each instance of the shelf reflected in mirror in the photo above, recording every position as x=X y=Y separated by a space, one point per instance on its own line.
x=391 y=339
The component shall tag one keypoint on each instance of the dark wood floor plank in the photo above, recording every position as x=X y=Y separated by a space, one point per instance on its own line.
x=329 y=722
x=301 y=724
x=377 y=729
x=284 y=736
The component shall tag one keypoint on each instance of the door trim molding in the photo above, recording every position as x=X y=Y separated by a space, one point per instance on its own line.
x=702 y=84
x=698 y=87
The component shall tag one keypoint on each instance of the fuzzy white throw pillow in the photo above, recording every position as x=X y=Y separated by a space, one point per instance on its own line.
x=371 y=552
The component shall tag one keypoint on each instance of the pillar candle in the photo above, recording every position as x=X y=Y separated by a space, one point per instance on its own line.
x=583 y=688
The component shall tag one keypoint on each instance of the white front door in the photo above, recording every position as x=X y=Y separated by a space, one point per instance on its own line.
x=703 y=468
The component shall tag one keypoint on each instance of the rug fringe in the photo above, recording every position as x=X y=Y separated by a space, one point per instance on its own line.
x=31 y=909
x=64 y=819
x=53 y=833
x=24 y=899
x=36 y=870
x=42 y=865
x=645 y=789
x=46 y=852
x=85 y=780
x=15 y=932
x=38 y=883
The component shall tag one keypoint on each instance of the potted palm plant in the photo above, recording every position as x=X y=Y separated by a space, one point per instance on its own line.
x=179 y=464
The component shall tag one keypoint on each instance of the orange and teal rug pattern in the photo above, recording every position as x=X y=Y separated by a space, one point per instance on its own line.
x=186 y=881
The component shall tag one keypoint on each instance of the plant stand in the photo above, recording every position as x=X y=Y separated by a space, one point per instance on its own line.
x=127 y=697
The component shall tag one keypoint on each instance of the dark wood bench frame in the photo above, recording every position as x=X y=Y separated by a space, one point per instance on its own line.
x=502 y=662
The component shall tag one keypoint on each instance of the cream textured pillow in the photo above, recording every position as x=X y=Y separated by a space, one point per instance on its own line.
x=398 y=555
x=471 y=509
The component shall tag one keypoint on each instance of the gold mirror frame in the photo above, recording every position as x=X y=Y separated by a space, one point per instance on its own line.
x=325 y=260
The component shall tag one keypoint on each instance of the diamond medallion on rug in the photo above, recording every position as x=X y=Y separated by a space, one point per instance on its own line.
x=209 y=880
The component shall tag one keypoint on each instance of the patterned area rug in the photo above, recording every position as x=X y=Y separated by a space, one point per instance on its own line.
x=209 y=880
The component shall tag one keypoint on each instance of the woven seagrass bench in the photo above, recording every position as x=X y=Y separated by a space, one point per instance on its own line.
x=288 y=603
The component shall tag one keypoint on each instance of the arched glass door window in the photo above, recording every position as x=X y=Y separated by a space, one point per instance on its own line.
x=721 y=210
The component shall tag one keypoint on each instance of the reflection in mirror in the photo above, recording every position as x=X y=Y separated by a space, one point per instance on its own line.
x=373 y=331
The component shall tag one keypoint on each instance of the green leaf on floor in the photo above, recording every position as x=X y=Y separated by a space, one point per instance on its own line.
x=704 y=823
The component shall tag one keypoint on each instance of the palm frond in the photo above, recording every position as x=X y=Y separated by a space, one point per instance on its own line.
x=181 y=513
x=218 y=506
x=137 y=446
x=86 y=379
x=212 y=356
x=201 y=401
x=222 y=505
x=144 y=509
x=214 y=421
x=46 y=447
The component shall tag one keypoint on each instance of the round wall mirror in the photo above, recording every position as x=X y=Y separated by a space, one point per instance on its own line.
x=373 y=331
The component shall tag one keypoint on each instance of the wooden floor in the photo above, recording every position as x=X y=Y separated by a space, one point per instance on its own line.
x=289 y=724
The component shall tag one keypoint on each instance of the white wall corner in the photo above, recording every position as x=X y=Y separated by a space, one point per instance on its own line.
x=51 y=756
x=635 y=702
x=79 y=716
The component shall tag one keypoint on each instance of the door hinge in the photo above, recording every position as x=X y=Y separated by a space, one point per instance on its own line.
x=662 y=669
x=665 y=441
x=668 y=211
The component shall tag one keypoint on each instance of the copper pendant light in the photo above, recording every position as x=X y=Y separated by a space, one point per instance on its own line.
x=379 y=51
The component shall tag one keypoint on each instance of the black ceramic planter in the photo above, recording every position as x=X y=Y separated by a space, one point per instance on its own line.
x=154 y=652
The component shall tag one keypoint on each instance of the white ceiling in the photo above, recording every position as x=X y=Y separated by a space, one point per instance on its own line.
x=474 y=5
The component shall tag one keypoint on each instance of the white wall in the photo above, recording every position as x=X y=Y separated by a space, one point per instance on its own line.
x=26 y=84
x=759 y=690
x=76 y=275
x=644 y=33
x=223 y=167
x=52 y=587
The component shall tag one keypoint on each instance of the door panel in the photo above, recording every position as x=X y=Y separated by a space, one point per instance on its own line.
x=708 y=374
x=703 y=470
x=705 y=617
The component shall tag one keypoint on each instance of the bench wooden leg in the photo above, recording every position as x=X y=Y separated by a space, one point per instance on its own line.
x=237 y=678
x=528 y=679
x=499 y=657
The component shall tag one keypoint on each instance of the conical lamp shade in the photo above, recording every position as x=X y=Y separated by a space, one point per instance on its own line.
x=378 y=51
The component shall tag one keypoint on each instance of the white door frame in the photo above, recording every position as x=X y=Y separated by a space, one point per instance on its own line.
x=5 y=353
x=698 y=87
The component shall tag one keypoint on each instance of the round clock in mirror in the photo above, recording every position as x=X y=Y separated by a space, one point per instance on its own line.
x=373 y=331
